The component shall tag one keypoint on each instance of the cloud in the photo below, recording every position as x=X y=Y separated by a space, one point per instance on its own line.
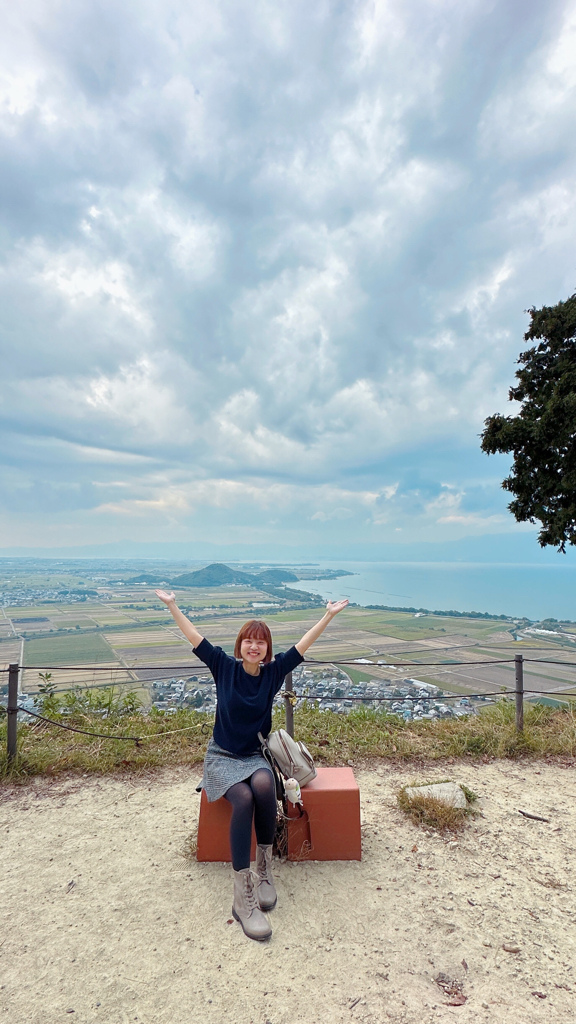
x=273 y=260
x=471 y=520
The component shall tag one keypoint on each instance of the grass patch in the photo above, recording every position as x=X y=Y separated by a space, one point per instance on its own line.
x=470 y=795
x=334 y=739
x=431 y=812
x=331 y=738
x=359 y=675
x=47 y=750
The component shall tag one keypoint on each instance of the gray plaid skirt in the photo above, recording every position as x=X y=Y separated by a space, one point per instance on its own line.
x=223 y=769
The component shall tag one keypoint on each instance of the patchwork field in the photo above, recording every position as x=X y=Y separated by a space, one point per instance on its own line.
x=125 y=626
x=68 y=650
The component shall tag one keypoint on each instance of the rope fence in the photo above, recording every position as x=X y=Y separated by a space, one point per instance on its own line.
x=136 y=666
x=138 y=740
x=290 y=696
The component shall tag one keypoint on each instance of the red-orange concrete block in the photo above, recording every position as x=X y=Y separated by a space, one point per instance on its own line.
x=331 y=829
x=214 y=831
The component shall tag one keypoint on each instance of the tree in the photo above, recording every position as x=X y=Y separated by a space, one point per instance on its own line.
x=543 y=434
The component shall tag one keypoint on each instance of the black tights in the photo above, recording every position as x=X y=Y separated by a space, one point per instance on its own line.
x=255 y=798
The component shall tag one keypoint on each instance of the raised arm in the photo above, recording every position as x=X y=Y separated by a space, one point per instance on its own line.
x=181 y=620
x=332 y=609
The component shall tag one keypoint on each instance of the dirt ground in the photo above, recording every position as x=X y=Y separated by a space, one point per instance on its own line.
x=108 y=919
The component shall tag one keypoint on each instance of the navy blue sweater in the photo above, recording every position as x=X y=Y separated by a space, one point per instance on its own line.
x=244 y=705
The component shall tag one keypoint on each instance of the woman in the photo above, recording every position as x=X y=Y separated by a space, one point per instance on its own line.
x=234 y=766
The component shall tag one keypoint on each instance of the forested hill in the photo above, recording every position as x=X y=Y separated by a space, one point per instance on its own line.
x=218 y=575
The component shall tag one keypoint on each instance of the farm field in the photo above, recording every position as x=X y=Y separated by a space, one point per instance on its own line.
x=80 y=652
x=145 y=638
x=112 y=674
x=406 y=626
x=68 y=650
x=125 y=626
x=9 y=654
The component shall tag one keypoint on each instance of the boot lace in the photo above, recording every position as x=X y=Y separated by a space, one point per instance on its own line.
x=264 y=873
x=250 y=878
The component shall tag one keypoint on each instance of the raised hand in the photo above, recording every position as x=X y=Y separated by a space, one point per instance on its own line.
x=332 y=609
x=181 y=620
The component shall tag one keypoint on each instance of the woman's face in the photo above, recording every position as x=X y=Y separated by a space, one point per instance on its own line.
x=253 y=651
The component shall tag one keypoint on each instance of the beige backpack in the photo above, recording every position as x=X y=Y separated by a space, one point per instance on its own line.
x=292 y=758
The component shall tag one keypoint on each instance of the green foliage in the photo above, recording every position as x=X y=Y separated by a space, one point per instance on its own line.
x=47 y=750
x=331 y=738
x=105 y=701
x=471 y=796
x=542 y=436
x=46 y=700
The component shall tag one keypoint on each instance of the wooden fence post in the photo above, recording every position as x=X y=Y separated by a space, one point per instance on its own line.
x=12 y=710
x=519 y=669
x=289 y=706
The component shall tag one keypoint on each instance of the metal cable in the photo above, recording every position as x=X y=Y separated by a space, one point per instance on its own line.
x=107 y=686
x=306 y=661
x=408 y=664
x=452 y=696
x=547 y=661
x=103 y=668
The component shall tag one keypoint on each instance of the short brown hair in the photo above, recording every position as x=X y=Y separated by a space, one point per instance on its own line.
x=254 y=630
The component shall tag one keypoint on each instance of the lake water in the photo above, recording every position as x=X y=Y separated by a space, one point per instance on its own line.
x=534 y=591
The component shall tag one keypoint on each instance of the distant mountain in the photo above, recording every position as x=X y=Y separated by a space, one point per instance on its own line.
x=218 y=575
x=276 y=576
x=215 y=575
x=518 y=546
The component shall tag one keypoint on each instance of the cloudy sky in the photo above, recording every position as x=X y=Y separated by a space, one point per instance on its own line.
x=265 y=265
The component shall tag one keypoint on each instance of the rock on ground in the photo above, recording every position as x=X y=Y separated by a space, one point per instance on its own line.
x=448 y=793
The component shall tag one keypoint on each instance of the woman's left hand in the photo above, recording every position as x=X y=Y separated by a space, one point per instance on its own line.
x=333 y=607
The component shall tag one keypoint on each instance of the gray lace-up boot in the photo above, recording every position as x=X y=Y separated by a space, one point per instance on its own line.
x=265 y=890
x=245 y=907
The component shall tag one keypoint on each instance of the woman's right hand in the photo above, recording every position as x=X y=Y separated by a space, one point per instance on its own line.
x=165 y=597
